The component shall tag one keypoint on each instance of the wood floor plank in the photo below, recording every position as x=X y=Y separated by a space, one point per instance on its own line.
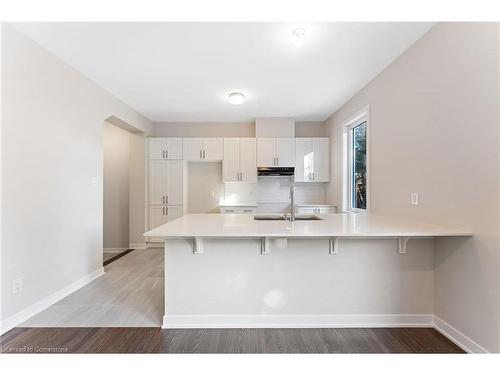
x=155 y=340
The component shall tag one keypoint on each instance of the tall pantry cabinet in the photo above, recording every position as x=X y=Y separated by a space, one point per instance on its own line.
x=166 y=182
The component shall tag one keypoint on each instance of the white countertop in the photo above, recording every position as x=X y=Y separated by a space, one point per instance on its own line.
x=333 y=225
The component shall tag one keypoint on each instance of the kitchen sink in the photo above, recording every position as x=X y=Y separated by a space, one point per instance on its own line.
x=307 y=217
x=285 y=217
x=269 y=217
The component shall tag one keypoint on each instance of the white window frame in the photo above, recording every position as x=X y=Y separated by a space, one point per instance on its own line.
x=363 y=115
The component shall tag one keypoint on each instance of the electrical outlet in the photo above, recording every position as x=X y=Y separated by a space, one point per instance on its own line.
x=93 y=181
x=414 y=199
x=17 y=286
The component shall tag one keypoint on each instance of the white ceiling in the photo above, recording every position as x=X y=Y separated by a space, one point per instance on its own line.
x=183 y=72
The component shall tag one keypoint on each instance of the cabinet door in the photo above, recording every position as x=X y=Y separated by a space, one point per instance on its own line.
x=157 y=216
x=213 y=149
x=266 y=152
x=174 y=148
x=231 y=162
x=174 y=175
x=157 y=181
x=173 y=212
x=321 y=163
x=157 y=148
x=248 y=160
x=304 y=159
x=285 y=152
x=192 y=148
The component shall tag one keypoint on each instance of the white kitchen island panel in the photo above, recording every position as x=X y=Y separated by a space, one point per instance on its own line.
x=230 y=284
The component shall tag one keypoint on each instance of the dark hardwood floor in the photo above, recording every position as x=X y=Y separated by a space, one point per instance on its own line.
x=155 y=340
x=117 y=256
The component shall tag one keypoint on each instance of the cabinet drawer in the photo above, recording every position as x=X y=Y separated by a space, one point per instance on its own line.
x=238 y=210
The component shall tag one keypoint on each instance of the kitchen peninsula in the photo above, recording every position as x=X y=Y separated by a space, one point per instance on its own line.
x=338 y=270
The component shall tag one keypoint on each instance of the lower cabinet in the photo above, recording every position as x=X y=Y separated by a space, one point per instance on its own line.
x=159 y=215
x=238 y=209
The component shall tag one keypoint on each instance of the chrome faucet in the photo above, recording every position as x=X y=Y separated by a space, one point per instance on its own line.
x=292 y=203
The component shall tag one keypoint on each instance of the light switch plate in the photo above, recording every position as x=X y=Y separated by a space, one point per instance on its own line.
x=17 y=286
x=414 y=199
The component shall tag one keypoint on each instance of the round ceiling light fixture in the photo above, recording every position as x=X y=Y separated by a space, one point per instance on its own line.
x=299 y=32
x=236 y=98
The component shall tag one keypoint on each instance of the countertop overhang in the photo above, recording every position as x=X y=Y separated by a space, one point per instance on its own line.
x=333 y=225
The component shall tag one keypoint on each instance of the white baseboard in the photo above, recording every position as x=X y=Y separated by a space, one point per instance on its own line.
x=114 y=249
x=16 y=319
x=298 y=321
x=138 y=246
x=466 y=343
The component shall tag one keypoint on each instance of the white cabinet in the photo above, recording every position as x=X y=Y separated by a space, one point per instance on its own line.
x=166 y=182
x=276 y=152
x=202 y=149
x=165 y=148
x=312 y=160
x=159 y=215
x=240 y=163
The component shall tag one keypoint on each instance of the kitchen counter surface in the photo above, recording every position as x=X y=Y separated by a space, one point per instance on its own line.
x=332 y=225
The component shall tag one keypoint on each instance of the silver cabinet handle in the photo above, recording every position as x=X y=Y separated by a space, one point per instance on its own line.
x=166 y=154
x=166 y=199
x=163 y=211
x=203 y=154
x=163 y=154
x=313 y=176
x=277 y=161
x=241 y=176
x=163 y=199
x=166 y=211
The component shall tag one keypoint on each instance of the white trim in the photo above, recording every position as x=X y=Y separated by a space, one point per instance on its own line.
x=114 y=249
x=16 y=319
x=138 y=246
x=298 y=321
x=466 y=343
x=363 y=115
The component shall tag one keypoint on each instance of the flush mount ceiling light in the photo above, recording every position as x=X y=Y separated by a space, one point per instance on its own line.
x=299 y=32
x=236 y=98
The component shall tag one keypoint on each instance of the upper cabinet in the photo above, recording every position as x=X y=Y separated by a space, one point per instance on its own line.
x=202 y=149
x=166 y=182
x=275 y=152
x=165 y=148
x=240 y=160
x=312 y=160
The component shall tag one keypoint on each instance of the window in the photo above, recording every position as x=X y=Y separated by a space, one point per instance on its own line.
x=356 y=187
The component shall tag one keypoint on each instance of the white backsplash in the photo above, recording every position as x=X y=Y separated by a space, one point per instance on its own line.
x=271 y=194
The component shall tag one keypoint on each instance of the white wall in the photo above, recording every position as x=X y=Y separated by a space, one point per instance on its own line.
x=434 y=130
x=116 y=175
x=205 y=187
x=52 y=212
x=229 y=129
x=137 y=192
x=205 y=129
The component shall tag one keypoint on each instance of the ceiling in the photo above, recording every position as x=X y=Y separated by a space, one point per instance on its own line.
x=183 y=72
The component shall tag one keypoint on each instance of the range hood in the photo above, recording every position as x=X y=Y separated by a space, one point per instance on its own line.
x=275 y=171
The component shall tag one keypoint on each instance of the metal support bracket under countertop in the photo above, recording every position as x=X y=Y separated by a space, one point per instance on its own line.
x=402 y=242
x=265 y=246
x=197 y=246
x=333 y=245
